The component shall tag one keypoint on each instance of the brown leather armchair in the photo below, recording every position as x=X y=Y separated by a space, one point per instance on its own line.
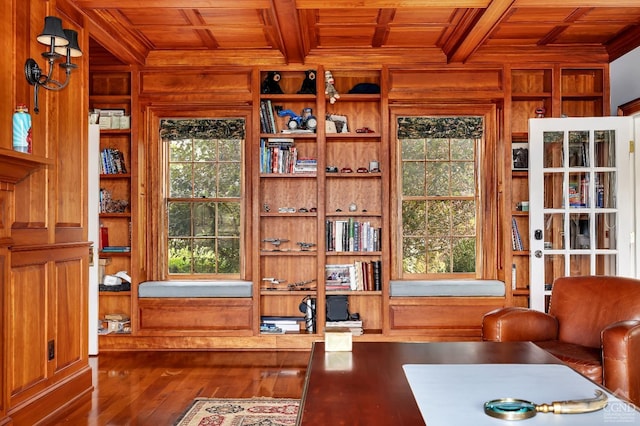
x=593 y=325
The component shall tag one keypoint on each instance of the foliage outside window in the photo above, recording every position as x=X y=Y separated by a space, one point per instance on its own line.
x=203 y=195
x=439 y=195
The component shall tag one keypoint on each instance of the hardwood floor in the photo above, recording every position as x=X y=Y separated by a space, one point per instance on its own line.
x=155 y=388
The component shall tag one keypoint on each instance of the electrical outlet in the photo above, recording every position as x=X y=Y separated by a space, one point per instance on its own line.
x=51 y=349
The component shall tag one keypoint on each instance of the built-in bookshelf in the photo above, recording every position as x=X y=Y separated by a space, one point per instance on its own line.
x=110 y=104
x=287 y=193
x=321 y=189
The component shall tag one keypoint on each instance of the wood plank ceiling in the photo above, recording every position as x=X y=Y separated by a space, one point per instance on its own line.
x=228 y=32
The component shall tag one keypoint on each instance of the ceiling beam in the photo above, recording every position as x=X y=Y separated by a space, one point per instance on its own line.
x=286 y=16
x=624 y=43
x=481 y=30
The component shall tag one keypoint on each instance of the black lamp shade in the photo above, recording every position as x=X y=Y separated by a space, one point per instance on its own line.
x=72 y=47
x=53 y=29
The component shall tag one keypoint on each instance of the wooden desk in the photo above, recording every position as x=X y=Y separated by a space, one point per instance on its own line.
x=368 y=386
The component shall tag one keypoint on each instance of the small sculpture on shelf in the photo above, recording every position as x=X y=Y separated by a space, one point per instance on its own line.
x=329 y=88
x=309 y=83
x=271 y=83
x=305 y=246
x=276 y=242
x=109 y=205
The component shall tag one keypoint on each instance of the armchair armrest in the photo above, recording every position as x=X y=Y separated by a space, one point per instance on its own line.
x=621 y=359
x=518 y=324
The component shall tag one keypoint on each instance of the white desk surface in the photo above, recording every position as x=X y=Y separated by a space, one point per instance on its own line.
x=454 y=394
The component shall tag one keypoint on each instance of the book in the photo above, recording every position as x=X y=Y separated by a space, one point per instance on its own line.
x=116 y=249
x=516 y=239
x=104 y=237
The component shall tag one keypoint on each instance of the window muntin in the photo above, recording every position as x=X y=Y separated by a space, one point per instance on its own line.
x=439 y=220
x=203 y=196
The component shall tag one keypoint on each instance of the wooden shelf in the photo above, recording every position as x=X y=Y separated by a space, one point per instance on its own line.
x=123 y=215
x=115 y=176
x=15 y=166
x=107 y=132
x=115 y=293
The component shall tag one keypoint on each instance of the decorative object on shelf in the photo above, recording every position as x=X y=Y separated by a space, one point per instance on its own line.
x=353 y=207
x=308 y=308
x=62 y=43
x=286 y=209
x=109 y=205
x=22 y=129
x=365 y=88
x=329 y=88
x=272 y=283
x=266 y=208
x=540 y=112
x=302 y=285
x=520 y=155
x=309 y=83
x=339 y=122
x=271 y=83
x=304 y=246
x=306 y=121
x=374 y=166
x=276 y=242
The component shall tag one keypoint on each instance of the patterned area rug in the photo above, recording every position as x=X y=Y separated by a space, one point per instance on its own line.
x=241 y=412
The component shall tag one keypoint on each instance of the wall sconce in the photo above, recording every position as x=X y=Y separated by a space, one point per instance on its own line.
x=63 y=43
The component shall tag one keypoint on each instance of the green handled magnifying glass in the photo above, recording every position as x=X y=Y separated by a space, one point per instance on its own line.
x=519 y=409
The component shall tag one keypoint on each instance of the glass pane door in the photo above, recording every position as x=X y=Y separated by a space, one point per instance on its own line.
x=580 y=196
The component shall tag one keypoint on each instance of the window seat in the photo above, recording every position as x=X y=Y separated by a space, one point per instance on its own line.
x=447 y=288
x=191 y=289
x=186 y=307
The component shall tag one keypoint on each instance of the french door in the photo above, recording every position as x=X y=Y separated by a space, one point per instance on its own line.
x=581 y=200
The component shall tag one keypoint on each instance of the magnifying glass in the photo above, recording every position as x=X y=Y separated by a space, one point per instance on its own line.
x=519 y=409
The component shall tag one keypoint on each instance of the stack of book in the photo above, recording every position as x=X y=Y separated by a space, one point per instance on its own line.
x=355 y=326
x=277 y=155
x=352 y=235
x=112 y=162
x=281 y=324
x=358 y=276
x=306 y=165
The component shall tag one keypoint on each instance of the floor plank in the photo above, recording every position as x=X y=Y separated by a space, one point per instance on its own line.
x=155 y=388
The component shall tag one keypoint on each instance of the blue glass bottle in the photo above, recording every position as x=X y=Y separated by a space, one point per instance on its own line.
x=22 y=129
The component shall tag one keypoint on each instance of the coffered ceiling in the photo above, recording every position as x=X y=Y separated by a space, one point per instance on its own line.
x=228 y=32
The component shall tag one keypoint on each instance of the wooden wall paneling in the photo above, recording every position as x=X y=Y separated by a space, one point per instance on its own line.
x=70 y=319
x=441 y=315
x=446 y=84
x=27 y=331
x=204 y=314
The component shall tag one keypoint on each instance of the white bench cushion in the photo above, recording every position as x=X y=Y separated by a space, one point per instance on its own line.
x=460 y=288
x=195 y=289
